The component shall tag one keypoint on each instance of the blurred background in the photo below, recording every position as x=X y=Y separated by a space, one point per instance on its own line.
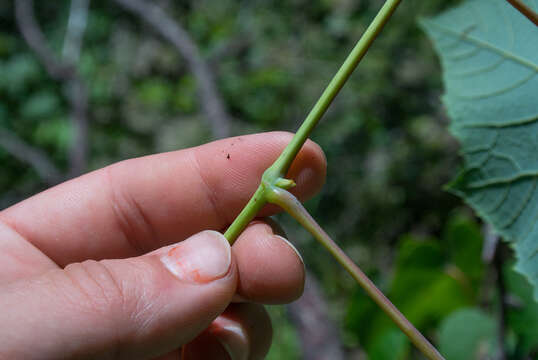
x=86 y=83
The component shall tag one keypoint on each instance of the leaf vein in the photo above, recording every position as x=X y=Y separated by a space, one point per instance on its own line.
x=485 y=44
x=501 y=181
x=523 y=206
x=479 y=71
x=510 y=123
x=498 y=91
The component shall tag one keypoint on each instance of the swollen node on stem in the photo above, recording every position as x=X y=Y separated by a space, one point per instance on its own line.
x=281 y=165
x=273 y=187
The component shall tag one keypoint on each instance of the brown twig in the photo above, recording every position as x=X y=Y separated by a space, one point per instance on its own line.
x=75 y=87
x=64 y=71
x=36 y=158
x=24 y=14
x=492 y=254
x=489 y=247
x=78 y=99
x=76 y=26
x=525 y=10
x=173 y=32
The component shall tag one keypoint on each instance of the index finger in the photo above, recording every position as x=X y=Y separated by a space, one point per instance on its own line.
x=139 y=205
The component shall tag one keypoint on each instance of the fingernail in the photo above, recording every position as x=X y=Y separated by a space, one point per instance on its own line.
x=200 y=259
x=292 y=247
x=232 y=337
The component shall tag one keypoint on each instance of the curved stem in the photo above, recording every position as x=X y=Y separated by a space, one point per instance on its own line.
x=279 y=168
x=273 y=186
x=288 y=202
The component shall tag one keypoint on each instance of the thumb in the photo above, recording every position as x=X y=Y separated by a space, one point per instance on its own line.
x=132 y=308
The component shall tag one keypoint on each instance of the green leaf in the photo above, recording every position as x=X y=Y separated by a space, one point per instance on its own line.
x=489 y=55
x=154 y=92
x=184 y=97
x=414 y=253
x=40 y=105
x=17 y=73
x=55 y=132
x=467 y=334
x=462 y=240
x=362 y=310
x=434 y=295
x=435 y=292
x=391 y=345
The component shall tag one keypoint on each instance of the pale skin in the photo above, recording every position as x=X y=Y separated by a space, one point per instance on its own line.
x=60 y=298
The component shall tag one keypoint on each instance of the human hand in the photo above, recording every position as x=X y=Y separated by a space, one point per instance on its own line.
x=115 y=264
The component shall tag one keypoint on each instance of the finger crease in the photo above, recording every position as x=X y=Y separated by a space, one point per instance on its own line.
x=210 y=193
x=132 y=221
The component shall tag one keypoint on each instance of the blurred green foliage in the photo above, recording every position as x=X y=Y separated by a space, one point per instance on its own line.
x=427 y=284
x=467 y=334
x=385 y=137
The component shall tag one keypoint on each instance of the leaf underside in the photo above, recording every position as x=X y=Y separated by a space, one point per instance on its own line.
x=489 y=54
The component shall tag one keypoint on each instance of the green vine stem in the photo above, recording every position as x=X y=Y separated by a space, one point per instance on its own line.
x=273 y=185
x=292 y=206
x=279 y=168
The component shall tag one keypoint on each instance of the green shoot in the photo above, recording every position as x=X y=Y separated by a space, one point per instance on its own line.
x=274 y=185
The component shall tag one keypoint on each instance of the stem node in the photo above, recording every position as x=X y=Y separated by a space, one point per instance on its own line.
x=274 y=185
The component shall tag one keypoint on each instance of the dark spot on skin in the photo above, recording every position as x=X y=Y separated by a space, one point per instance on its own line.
x=228 y=156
